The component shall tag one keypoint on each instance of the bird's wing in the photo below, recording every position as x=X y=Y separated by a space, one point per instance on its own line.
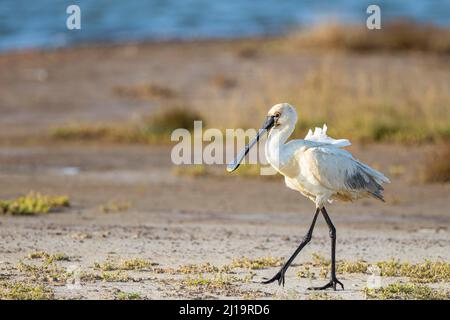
x=337 y=170
x=320 y=135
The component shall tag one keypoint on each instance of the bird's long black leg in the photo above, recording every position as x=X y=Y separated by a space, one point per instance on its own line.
x=333 y=281
x=280 y=275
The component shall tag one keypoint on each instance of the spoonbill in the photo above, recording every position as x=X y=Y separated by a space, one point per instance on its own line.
x=319 y=169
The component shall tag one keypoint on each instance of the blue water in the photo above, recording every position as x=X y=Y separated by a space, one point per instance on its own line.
x=42 y=23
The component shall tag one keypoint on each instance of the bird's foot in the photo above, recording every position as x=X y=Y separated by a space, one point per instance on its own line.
x=332 y=284
x=279 y=276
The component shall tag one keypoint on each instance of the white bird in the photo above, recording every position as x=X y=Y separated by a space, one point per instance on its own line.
x=319 y=169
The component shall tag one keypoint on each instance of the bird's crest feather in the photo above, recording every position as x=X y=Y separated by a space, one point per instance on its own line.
x=320 y=135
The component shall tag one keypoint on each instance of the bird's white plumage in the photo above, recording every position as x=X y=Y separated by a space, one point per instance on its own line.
x=320 y=135
x=316 y=166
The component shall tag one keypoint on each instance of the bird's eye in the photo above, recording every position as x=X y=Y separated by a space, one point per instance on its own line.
x=277 y=114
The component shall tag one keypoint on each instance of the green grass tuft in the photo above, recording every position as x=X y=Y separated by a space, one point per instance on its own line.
x=400 y=291
x=47 y=272
x=33 y=203
x=129 y=264
x=218 y=281
x=424 y=272
x=49 y=258
x=256 y=263
x=128 y=296
x=24 y=291
x=199 y=268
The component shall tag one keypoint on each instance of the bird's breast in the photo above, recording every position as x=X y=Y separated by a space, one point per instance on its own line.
x=286 y=166
x=301 y=185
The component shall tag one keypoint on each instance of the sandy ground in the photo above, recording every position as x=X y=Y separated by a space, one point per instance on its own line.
x=177 y=220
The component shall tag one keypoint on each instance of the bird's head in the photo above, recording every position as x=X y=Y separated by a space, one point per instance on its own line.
x=282 y=114
x=279 y=116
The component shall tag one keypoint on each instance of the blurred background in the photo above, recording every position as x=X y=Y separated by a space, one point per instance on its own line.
x=40 y=24
x=86 y=118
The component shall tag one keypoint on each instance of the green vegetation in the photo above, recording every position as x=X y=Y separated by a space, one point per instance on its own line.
x=425 y=272
x=49 y=258
x=352 y=267
x=200 y=268
x=241 y=263
x=45 y=272
x=136 y=264
x=256 y=263
x=33 y=203
x=50 y=272
x=130 y=264
x=46 y=269
x=150 y=130
x=113 y=276
x=218 y=281
x=43 y=268
x=24 y=291
x=400 y=291
x=128 y=296
x=306 y=272
x=106 y=276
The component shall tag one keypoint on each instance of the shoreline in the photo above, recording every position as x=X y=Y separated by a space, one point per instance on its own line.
x=141 y=43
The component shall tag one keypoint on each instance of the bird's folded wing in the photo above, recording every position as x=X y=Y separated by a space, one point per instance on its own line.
x=320 y=135
x=328 y=166
x=337 y=170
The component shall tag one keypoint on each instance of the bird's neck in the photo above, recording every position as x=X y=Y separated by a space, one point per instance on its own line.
x=275 y=145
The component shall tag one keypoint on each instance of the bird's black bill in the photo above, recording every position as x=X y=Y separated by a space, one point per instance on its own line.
x=270 y=121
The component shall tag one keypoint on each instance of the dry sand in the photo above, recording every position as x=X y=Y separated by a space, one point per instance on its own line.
x=176 y=220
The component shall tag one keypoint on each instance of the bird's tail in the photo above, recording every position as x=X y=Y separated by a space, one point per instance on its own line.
x=375 y=174
x=377 y=179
